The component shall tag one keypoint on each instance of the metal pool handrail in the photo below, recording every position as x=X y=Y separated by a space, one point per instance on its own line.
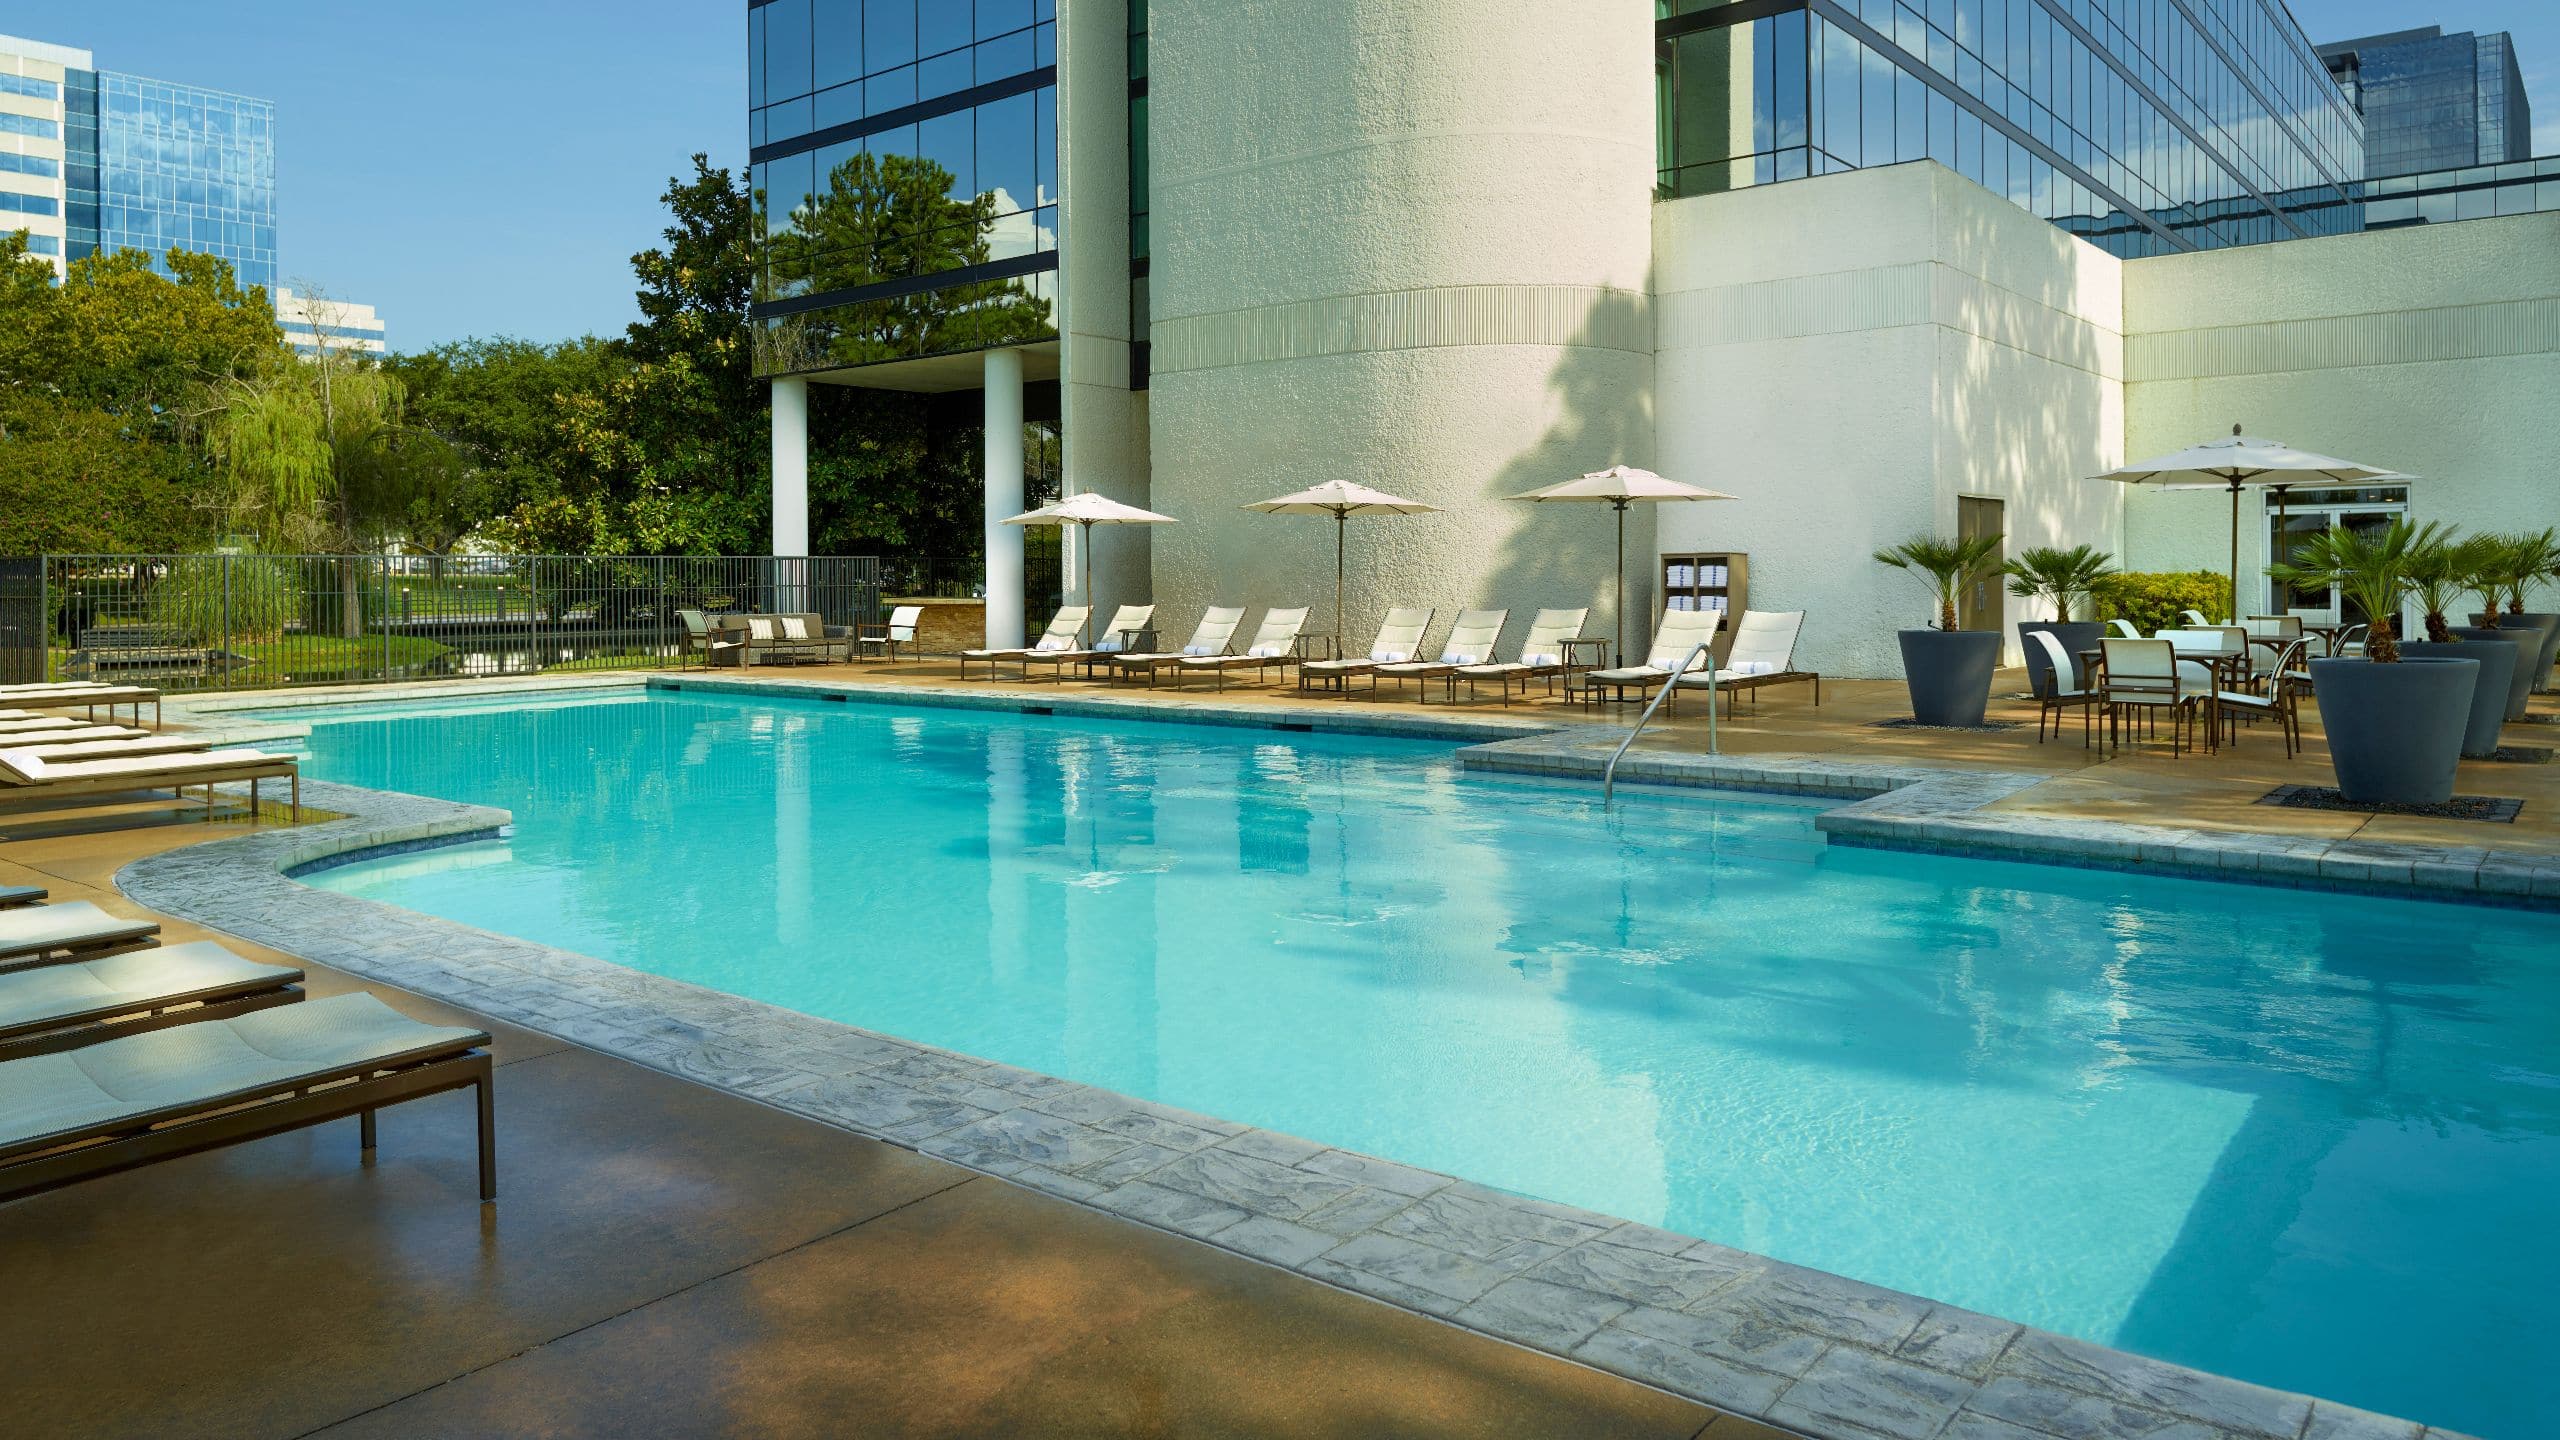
x=1609 y=777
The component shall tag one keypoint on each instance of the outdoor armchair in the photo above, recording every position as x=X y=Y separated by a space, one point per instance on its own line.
x=2145 y=677
x=2064 y=689
x=900 y=629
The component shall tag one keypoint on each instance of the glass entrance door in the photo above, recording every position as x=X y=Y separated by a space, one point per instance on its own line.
x=2304 y=514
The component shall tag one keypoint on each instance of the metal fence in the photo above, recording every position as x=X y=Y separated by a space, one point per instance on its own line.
x=215 y=622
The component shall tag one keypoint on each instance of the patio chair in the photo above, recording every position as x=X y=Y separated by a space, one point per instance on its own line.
x=61 y=1007
x=1399 y=639
x=1681 y=631
x=2126 y=629
x=72 y=930
x=1274 y=646
x=1216 y=631
x=1763 y=653
x=2350 y=641
x=1542 y=655
x=13 y=896
x=33 y=774
x=2145 y=677
x=87 y=695
x=122 y=1104
x=1471 y=640
x=1117 y=639
x=2279 y=701
x=712 y=644
x=2064 y=689
x=900 y=629
x=1066 y=630
x=2195 y=618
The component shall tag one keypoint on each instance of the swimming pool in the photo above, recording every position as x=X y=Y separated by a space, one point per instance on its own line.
x=2307 y=1139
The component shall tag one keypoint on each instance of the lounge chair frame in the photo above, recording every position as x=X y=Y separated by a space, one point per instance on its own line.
x=273 y=768
x=133 y=1141
x=131 y=935
x=211 y=1002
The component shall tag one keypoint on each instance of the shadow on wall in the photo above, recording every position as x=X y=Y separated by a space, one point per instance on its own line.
x=1547 y=549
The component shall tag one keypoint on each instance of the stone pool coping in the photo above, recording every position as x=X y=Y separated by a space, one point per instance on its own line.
x=1910 y=807
x=1796 y=1347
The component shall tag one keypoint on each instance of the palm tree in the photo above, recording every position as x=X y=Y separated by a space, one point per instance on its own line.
x=2530 y=559
x=1947 y=565
x=2368 y=567
x=2058 y=575
x=2441 y=569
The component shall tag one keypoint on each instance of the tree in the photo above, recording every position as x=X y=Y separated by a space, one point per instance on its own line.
x=2060 y=576
x=1946 y=565
x=2370 y=567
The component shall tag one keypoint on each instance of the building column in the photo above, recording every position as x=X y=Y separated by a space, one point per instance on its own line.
x=790 y=467
x=1004 y=498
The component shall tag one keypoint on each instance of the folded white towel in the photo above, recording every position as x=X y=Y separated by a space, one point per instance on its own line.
x=1541 y=659
x=1752 y=667
x=1390 y=657
x=1199 y=649
x=1267 y=652
x=1109 y=646
x=1053 y=642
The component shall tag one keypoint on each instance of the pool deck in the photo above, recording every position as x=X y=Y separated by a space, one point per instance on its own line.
x=1810 y=1352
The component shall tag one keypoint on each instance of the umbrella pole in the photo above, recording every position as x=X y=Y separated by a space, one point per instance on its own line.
x=2235 y=547
x=1084 y=559
x=1340 y=520
x=2276 y=551
x=1621 y=610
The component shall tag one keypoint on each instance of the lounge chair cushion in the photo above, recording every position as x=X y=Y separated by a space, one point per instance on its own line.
x=50 y=927
x=205 y=1063
x=135 y=980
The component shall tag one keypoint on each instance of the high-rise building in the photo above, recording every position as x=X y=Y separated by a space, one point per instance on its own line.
x=317 y=324
x=2433 y=101
x=141 y=164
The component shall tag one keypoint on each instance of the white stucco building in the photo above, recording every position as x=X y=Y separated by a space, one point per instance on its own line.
x=1458 y=250
x=320 y=324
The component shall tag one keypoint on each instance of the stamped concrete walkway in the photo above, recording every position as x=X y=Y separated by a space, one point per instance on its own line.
x=670 y=1259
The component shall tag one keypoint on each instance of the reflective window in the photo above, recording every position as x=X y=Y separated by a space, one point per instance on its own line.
x=29 y=164
x=155 y=166
x=28 y=85
x=30 y=125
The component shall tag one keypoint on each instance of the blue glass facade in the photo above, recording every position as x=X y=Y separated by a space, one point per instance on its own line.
x=2145 y=126
x=2433 y=101
x=904 y=160
x=156 y=167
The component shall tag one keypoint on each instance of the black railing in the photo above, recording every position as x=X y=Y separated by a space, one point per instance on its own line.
x=224 y=621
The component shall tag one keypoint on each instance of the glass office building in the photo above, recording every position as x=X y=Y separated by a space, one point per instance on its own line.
x=904 y=158
x=155 y=166
x=2145 y=126
x=2433 y=101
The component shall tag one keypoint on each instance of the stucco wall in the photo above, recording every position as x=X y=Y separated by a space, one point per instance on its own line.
x=1402 y=242
x=2433 y=349
x=1850 y=355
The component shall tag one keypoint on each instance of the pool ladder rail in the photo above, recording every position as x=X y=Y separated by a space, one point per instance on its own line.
x=1609 y=777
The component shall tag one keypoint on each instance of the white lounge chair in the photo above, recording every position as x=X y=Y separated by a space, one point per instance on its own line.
x=1542 y=655
x=72 y=930
x=1681 y=632
x=1763 y=653
x=87 y=695
x=109 y=746
x=1065 y=632
x=65 y=732
x=61 y=1007
x=121 y=1104
x=34 y=774
x=1119 y=638
x=1274 y=645
x=1471 y=640
x=1216 y=632
x=900 y=630
x=13 y=896
x=1399 y=639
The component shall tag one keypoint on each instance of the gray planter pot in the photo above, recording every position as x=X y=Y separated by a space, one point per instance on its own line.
x=2395 y=731
x=2488 y=697
x=2542 y=623
x=2520 y=671
x=1949 y=672
x=2075 y=635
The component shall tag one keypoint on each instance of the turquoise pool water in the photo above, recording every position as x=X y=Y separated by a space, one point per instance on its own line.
x=2307 y=1139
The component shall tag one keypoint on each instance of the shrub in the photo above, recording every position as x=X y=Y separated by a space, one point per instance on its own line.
x=260 y=597
x=2152 y=599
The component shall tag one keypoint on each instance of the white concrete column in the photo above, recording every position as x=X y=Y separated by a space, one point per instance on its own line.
x=790 y=467
x=1004 y=497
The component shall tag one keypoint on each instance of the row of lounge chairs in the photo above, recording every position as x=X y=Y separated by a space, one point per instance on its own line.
x=116 y=1052
x=1762 y=652
x=48 y=756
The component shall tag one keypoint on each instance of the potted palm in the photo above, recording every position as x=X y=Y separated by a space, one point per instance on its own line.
x=2531 y=560
x=2395 y=726
x=2485 y=559
x=2439 y=570
x=1948 y=670
x=2058 y=577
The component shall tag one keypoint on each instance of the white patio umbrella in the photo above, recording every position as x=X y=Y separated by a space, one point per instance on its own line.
x=1341 y=499
x=1087 y=509
x=1622 y=486
x=2236 y=461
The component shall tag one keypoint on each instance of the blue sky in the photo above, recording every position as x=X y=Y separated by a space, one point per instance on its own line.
x=486 y=167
